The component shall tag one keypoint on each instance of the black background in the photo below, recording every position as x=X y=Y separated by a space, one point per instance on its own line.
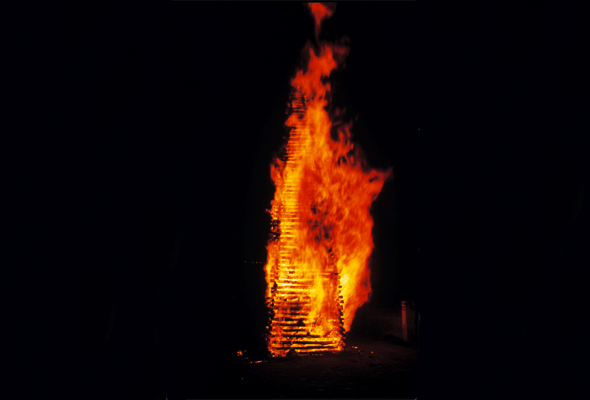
x=124 y=130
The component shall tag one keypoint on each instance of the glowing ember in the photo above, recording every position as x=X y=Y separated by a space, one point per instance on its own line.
x=316 y=270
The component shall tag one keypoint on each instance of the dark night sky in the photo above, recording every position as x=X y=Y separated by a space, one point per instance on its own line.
x=129 y=129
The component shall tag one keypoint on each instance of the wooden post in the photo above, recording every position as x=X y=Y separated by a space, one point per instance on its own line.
x=404 y=322
x=408 y=320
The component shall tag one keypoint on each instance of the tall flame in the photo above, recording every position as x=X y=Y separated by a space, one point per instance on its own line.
x=317 y=268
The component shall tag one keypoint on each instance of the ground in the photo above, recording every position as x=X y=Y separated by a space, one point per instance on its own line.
x=369 y=368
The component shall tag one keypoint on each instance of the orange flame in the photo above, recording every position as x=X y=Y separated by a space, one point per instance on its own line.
x=316 y=272
x=321 y=11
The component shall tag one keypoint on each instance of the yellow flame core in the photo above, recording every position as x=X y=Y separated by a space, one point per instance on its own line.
x=316 y=272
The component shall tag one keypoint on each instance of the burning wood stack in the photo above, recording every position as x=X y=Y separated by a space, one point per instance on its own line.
x=290 y=299
x=316 y=269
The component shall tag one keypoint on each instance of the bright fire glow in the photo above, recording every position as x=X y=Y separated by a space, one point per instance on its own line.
x=317 y=274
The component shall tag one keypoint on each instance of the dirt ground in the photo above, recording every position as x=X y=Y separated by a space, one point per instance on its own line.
x=368 y=368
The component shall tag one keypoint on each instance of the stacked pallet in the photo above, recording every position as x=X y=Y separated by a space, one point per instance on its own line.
x=290 y=302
